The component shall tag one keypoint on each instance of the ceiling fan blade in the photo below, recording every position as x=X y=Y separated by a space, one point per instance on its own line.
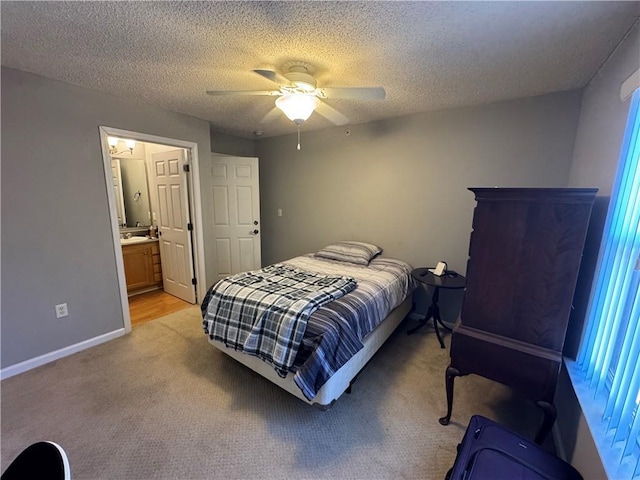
x=359 y=93
x=271 y=115
x=331 y=114
x=274 y=77
x=244 y=92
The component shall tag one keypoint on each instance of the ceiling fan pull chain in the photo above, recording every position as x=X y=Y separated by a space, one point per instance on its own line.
x=298 y=136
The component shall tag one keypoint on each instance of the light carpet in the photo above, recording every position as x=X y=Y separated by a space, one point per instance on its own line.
x=163 y=403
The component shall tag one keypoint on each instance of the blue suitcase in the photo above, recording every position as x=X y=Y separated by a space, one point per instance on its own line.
x=489 y=452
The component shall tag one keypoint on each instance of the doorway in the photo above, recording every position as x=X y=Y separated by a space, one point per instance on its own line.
x=174 y=196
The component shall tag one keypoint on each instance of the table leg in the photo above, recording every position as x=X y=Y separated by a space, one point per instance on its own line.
x=437 y=319
x=435 y=327
x=433 y=313
x=422 y=322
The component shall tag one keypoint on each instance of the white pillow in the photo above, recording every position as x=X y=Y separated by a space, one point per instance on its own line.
x=359 y=253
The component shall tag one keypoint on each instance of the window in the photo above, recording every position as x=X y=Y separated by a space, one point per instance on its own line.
x=609 y=357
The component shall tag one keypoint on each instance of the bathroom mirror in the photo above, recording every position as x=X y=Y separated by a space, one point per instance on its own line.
x=132 y=192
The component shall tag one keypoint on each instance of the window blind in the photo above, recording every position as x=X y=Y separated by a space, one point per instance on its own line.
x=609 y=357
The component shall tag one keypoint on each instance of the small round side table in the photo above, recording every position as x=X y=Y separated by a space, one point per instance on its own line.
x=450 y=280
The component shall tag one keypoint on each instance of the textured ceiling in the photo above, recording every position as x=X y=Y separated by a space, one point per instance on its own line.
x=427 y=55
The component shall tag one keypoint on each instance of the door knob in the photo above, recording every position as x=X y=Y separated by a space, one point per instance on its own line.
x=255 y=222
x=253 y=232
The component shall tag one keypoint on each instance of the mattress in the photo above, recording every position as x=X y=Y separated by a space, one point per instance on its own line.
x=336 y=332
x=341 y=380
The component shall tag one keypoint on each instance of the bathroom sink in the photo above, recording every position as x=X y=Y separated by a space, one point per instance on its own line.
x=129 y=241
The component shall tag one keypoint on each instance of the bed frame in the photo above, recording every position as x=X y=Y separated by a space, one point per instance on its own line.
x=339 y=381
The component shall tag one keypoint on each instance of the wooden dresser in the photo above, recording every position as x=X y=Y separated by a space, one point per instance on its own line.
x=524 y=257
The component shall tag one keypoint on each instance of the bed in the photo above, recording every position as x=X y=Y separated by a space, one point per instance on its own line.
x=363 y=297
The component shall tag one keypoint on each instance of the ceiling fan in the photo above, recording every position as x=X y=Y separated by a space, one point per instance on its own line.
x=299 y=95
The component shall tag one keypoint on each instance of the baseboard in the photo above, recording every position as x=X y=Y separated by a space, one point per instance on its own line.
x=57 y=354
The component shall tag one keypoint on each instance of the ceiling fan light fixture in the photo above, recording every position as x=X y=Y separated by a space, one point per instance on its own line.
x=299 y=74
x=298 y=107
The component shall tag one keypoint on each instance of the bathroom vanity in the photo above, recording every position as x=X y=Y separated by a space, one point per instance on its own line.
x=142 y=266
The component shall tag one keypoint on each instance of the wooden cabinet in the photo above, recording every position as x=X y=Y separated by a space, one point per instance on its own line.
x=524 y=256
x=142 y=267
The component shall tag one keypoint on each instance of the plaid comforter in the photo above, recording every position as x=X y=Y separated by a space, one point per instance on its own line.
x=265 y=312
x=335 y=331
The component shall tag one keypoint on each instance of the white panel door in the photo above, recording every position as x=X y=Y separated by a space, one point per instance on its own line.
x=236 y=214
x=170 y=184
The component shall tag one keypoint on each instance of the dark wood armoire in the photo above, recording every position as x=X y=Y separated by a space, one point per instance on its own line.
x=524 y=256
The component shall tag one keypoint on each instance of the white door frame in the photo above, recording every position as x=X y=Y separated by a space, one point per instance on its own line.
x=194 y=201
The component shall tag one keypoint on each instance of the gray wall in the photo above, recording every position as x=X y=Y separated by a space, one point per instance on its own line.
x=230 y=145
x=599 y=138
x=403 y=183
x=56 y=232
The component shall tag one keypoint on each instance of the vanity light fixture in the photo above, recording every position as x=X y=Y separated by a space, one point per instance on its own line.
x=113 y=145
x=298 y=107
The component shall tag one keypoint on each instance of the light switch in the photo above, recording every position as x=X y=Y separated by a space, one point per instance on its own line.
x=279 y=212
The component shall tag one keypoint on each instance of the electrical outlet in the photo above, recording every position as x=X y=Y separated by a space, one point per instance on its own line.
x=279 y=212
x=61 y=310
